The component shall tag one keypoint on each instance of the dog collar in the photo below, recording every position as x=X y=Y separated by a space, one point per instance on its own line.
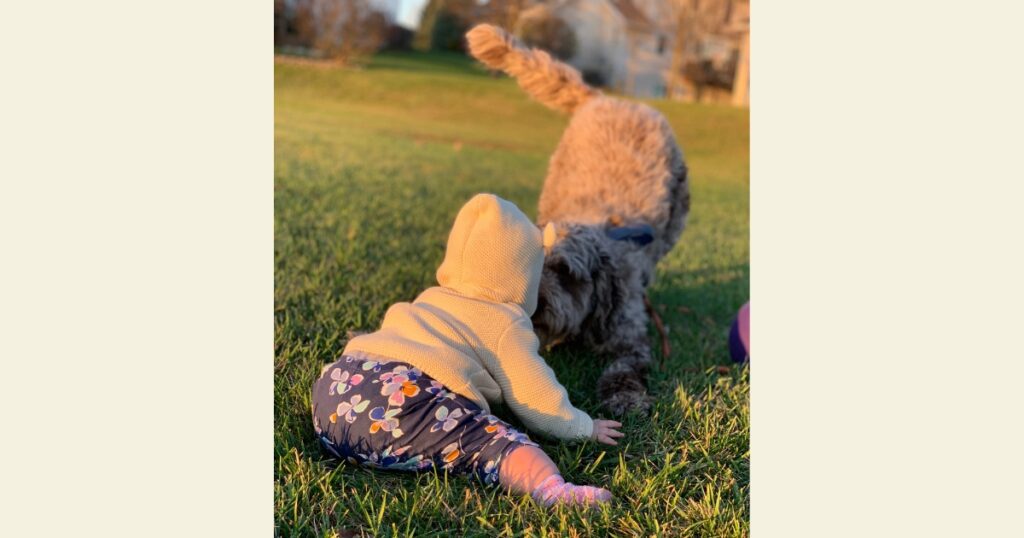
x=641 y=234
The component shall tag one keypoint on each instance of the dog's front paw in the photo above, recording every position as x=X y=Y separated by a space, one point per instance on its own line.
x=625 y=402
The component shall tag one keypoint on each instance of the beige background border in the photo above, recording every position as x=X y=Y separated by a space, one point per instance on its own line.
x=136 y=209
x=887 y=269
x=137 y=294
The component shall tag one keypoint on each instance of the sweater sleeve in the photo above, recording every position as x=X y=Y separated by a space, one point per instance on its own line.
x=530 y=388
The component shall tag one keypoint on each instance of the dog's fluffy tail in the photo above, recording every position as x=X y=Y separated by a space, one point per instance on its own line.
x=552 y=83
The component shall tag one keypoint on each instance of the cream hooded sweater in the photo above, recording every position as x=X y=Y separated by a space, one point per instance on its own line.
x=473 y=332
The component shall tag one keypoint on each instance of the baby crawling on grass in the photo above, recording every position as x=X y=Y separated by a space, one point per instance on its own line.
x=415 y=395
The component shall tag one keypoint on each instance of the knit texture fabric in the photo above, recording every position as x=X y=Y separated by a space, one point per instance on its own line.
x=554 y=489
x=473 y=332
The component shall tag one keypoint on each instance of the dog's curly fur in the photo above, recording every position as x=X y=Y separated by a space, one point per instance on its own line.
x=618 y=164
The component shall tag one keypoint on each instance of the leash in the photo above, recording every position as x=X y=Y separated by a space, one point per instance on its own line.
x=665 y=348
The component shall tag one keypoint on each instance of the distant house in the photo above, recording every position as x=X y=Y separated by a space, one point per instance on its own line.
x=625 y=45
x=680 y=49
x=712 y=57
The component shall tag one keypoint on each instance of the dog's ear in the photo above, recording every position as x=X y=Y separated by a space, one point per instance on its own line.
x=569 y=270
x=610 y=288
x=570 y=254
x=570 y=264
x=567 y=279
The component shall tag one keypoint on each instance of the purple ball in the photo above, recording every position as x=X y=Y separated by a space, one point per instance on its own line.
x=739 y=336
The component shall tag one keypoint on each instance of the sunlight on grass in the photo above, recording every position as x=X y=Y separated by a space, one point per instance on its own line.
x=371 y=167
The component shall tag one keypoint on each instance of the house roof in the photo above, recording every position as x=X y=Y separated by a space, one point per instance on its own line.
x=631 y=13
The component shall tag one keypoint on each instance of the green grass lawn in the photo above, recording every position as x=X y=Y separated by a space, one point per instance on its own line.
x=371 y=166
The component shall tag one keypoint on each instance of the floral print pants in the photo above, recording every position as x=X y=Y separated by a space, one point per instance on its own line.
x=389 y=415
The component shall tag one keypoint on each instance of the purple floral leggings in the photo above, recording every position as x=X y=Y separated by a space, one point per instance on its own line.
x=389 y=415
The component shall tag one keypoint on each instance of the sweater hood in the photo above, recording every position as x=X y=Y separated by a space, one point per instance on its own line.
x=494 y=253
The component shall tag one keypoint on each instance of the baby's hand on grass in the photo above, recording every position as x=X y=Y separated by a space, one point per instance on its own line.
x=605 y=431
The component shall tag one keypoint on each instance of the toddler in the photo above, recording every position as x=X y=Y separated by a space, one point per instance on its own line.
x=416 y=394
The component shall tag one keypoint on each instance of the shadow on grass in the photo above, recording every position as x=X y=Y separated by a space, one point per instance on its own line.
x=436 y=62
x=698 y=318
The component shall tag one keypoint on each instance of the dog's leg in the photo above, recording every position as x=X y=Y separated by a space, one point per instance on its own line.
x=622 y=386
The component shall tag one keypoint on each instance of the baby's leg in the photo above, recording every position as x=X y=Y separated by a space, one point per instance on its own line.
x=528 y=470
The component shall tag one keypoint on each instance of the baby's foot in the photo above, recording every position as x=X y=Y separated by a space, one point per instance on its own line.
x=554 y=489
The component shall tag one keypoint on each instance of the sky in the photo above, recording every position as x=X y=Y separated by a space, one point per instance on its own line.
x=409 y=12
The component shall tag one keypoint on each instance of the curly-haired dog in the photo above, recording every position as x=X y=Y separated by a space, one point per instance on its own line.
x=618 y=194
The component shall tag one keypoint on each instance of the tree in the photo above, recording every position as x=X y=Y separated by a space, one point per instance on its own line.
x=444 y=23
x=340 y=29
x=542 y=28
x=701 y=24
x=504 y=13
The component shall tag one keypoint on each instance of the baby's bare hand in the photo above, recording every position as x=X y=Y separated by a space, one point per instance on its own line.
x=606 y=430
